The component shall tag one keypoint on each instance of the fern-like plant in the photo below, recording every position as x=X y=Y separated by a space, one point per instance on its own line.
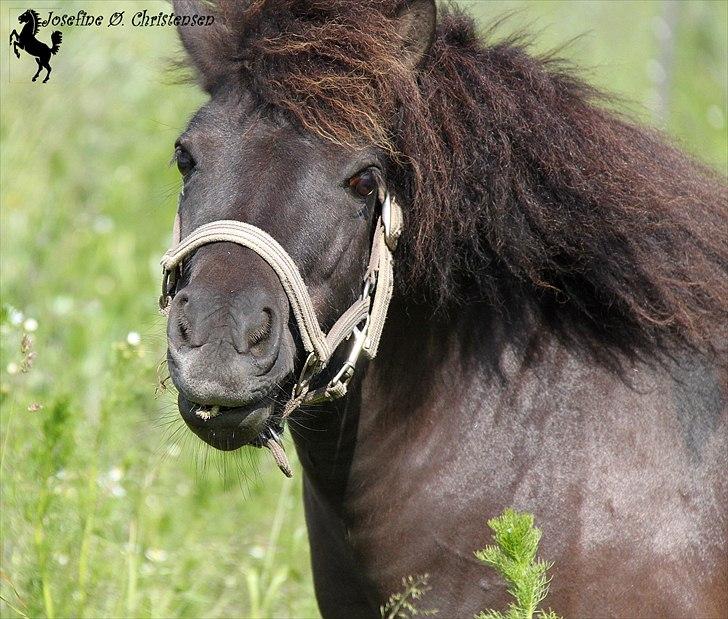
x=401 y=605
x=514 y=557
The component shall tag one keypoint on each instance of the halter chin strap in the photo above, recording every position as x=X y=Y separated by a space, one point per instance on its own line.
x=362 y=323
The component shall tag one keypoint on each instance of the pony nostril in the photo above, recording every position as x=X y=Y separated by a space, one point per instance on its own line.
x=183 y=329
x=262 y=332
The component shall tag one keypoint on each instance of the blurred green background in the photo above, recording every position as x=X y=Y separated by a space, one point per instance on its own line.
x=109 y=507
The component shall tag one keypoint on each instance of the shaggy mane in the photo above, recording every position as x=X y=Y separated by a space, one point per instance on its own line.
x=518 y=186
x=36 y=20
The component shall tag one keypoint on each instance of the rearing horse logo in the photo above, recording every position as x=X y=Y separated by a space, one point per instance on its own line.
x=26 y=40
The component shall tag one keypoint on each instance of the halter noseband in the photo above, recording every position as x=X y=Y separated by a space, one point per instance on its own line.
x=362 y=323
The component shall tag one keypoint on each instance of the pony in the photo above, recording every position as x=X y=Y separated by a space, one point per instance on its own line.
x=557 y=333
x=26 y=40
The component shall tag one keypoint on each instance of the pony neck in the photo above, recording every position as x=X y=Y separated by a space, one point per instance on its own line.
x=424 y=358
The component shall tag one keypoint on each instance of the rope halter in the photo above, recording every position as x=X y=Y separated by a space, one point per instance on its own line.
x=361 y=324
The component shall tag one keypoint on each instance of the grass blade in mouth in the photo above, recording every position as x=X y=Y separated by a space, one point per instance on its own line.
x=275 y=445
x=207 y=412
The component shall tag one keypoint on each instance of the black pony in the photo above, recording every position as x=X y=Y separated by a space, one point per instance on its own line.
x=26 y=40
x=556 y=340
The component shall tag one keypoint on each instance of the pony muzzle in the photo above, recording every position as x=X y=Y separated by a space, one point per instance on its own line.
x=360 y=327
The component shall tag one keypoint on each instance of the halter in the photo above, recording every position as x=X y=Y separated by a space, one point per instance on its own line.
x=361 y=324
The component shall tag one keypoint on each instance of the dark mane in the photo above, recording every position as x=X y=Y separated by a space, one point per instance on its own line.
x=36 y=20
x=518 y=187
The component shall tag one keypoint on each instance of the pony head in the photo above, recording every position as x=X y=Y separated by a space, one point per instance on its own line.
x=32 y=17
x=314 y=182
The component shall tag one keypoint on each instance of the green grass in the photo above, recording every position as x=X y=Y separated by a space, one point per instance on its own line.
x=107 y=510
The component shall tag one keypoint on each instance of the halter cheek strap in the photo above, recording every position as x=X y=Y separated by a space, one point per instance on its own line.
x=362 y=323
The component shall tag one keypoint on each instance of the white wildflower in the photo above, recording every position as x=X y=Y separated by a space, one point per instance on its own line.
x=156 y=555
x=16 y=316
x=30 y=325
x=110 y=482
x=133 y=338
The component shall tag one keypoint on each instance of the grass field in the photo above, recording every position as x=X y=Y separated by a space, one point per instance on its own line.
x=109 y=508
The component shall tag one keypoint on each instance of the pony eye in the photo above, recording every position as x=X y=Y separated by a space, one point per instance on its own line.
x=363 y=184
x=185 y=162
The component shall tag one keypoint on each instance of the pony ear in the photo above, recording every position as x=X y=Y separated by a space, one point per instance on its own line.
x=417 y=21
x=206 y=45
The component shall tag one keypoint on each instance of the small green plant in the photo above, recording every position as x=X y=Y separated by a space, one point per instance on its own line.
x=514 y=557
x=401 y=605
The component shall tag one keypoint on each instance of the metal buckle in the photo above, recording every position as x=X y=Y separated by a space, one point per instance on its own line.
x=345 y=374
x=169 y=281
